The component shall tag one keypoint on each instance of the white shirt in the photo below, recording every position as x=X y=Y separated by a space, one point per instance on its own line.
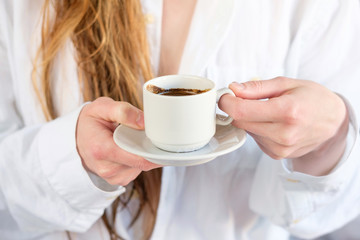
x=245 y=194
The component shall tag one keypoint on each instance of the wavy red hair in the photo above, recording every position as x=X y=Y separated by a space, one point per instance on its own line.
x=113 y=60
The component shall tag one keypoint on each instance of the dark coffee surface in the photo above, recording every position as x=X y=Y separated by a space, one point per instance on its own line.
x=174 y=91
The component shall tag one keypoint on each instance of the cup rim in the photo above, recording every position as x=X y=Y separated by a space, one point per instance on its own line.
x=179 y=75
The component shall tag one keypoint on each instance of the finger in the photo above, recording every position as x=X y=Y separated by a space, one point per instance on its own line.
x=250 y=110
x=264 y=129
x=281 y=134
x=267 y=151
x=272 y=149
x=263 y=88
x=278 y=151
x=105 y=148
x=119 y=112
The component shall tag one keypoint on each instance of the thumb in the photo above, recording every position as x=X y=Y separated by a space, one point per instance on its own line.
x=262 y=88
x=119 y=112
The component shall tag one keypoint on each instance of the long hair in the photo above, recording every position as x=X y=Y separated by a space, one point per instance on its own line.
x=113 y=59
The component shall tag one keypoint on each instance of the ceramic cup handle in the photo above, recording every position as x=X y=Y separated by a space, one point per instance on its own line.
x=220 y=119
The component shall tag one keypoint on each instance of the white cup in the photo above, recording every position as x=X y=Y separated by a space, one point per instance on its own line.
x=182 y=123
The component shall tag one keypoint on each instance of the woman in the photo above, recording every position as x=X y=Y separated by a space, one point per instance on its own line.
x=60 y=168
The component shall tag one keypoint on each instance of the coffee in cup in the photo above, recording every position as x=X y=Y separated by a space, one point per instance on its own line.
x=174 y=91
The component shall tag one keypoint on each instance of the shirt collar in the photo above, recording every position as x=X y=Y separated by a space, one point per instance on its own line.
x=209 y=27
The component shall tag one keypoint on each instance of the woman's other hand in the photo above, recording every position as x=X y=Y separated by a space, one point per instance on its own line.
x=94 y=138
x=296 y=119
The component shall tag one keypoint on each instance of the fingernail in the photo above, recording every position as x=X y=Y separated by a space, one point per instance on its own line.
x=239 y=86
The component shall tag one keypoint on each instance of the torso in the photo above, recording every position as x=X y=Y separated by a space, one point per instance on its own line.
x=241 y=52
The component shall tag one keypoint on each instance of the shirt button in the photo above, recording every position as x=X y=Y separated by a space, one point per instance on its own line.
x=111 y=198
x=149 y=18
x=292 y=180
x=296 y=221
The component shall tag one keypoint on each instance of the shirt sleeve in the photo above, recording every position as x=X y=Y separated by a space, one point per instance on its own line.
x=43 y=185
x=309 y=206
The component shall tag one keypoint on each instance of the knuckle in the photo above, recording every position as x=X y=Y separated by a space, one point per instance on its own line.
x=287 y=141
x=284 y=82
x=276 y=157
x=147 y=167
x=97 y=151
x=275 y=151
x=282 y=152
x=272 y=154
x=106 y=172
x=124 y=179
x=124 y=108
x=123 y=111
x=329 y=132
x=102 y=100
x=281 y=79
x=291 y=117
x=256 y=85
x=237 y=124
x=107 y=150
x=142 y=167
x=292 y=114
x=87 y=109
x=238 y=112
x=143 y=164
x=288 y=138
x=238 y=115
x=96 y=104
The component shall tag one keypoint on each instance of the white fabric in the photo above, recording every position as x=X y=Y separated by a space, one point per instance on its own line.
x=243 y=195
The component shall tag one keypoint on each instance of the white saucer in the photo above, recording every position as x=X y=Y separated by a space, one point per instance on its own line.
x=226 y=139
